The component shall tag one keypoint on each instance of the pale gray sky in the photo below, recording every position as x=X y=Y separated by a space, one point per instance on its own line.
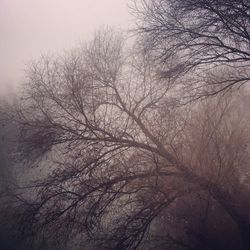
x=29 y=28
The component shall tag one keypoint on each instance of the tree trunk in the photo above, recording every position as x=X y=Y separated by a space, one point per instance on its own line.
x=237 y=208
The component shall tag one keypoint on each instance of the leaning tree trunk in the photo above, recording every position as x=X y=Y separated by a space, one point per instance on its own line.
x=237 y=206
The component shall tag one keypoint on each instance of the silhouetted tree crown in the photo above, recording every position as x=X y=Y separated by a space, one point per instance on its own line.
x=116 y=158
x=199 y=37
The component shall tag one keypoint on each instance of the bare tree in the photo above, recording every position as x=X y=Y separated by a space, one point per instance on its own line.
x=115 y=149
x=202 y=37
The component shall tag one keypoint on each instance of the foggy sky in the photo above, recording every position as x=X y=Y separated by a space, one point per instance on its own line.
x=29 y=28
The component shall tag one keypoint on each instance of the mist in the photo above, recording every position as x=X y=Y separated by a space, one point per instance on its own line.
x=124 y=125
x=30 y=28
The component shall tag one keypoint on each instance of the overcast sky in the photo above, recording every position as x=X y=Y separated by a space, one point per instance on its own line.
x=29 y=28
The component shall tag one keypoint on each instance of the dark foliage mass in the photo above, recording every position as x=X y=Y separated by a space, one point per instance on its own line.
x=115 y=160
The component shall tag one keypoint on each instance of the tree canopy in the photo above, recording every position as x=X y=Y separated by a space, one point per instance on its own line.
x=118 y=162
x=199 y=37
